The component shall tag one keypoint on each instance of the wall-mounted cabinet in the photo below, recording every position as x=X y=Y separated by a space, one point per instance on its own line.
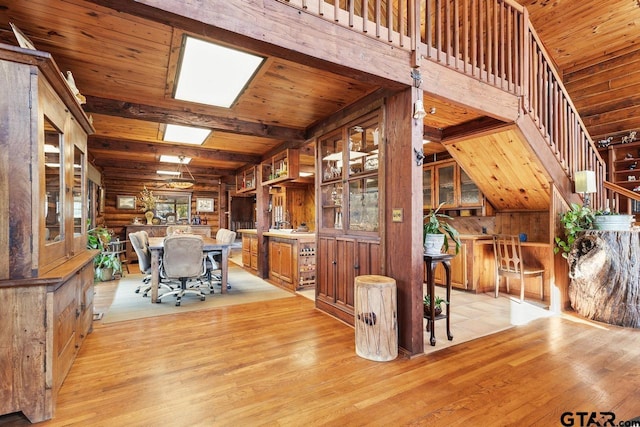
x=447 y=183
x=282 y=167
x=246 y=180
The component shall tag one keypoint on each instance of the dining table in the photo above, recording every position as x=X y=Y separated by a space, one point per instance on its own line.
x=156 y=246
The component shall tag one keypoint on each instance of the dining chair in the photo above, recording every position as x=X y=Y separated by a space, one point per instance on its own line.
x=510 y=264
x=183 y=259
x=214 y=258
x=140 y=243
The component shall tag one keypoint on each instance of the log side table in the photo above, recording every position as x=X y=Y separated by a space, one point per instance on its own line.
x=431 y=262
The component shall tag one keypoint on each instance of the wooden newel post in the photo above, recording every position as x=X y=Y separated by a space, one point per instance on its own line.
x=605 y=277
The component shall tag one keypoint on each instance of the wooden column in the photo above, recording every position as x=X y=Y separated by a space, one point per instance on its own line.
x=403 y=235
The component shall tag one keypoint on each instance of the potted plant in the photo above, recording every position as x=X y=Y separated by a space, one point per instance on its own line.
x=106 y=264
x=437 y=231
x=574 y=221
x=426 y=305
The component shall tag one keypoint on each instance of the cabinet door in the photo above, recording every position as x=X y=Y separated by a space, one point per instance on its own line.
x=326 y=268
x=346 y=272
x=86 y=302
x=65 y=308
x=458 y=269
x=274 y=259
x=446 y=176
x=254 y=252
x=427 y=190
x=469 y=192
x=285 y=253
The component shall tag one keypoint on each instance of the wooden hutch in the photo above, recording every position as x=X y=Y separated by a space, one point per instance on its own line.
x=46 y=272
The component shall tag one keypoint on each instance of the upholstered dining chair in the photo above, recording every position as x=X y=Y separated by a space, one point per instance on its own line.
x=140 y=243
x=214 y=258
x=183 y=259
x=510 y=264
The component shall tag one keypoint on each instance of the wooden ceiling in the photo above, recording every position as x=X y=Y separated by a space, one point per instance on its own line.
x=126 y=65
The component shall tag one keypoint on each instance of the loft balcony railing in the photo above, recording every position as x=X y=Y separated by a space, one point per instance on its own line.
x=490 y=40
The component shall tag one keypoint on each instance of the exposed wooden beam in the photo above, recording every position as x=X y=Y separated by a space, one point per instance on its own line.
x=271 y=27
x=170 y=149
x=476 y=126
x=157 y=114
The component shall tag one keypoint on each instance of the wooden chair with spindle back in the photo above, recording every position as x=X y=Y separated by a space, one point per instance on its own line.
x=509 y=263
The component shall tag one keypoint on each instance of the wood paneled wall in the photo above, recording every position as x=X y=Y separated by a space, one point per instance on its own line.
x=534 y=223
x=118 y=219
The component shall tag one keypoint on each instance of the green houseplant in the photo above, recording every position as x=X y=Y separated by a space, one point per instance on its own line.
x=426 y=305
x=574 y=221
x=105 y=263
x=434 y=225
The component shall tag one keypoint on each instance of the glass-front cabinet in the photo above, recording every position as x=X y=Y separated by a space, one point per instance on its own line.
x=427 y=191
x=349 y=191
x=349 y=171
x=447 y=183
x=446 y=178
x=470 y=194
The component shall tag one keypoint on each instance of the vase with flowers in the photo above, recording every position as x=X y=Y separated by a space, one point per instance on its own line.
x=148 y=201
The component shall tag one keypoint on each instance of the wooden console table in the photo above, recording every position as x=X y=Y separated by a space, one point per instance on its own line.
x=431 y=262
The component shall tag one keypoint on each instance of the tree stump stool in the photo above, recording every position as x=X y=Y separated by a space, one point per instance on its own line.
x=605 y=277
x=376 y=323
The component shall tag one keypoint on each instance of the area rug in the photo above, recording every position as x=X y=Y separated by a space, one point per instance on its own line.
x=245 y=288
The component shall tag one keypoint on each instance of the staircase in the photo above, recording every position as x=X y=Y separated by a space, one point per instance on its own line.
x=493 y=42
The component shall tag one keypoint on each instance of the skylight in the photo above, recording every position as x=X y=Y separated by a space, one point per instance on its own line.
x=212 y=74
x=186 y=134
x=167 y=158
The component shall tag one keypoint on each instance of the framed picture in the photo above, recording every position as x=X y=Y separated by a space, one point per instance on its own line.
x=126 y=202
x=204 y=205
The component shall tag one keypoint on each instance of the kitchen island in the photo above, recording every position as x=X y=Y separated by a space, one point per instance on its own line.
x=291 y=257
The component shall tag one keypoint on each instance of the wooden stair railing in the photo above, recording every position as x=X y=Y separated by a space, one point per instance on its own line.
x=490 y=40
x=613 y=193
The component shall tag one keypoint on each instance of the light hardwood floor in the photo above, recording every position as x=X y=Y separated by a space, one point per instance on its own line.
x=285 y=363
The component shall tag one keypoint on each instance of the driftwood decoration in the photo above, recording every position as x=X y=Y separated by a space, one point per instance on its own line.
x=605 y=277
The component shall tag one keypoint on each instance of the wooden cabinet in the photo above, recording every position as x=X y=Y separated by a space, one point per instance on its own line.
x=473 y=268
x=250 y=251
x=624 y=170
x=341 y=259
x=46 y=272
x=246 y=180
x=458 y=269
x=284 y=166
x=349 y=211
x=292 y=260
x=281 y=261
x=446 y=182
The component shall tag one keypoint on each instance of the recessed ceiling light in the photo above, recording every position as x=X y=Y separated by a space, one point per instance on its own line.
x=303 y=174
x=174 y=159
x=185 y=134
x=213 y=74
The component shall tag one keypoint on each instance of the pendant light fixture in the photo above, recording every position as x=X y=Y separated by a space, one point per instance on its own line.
x=184 y=179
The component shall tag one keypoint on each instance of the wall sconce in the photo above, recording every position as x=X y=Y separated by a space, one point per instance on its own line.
x=585 y=182
x=418 y=110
